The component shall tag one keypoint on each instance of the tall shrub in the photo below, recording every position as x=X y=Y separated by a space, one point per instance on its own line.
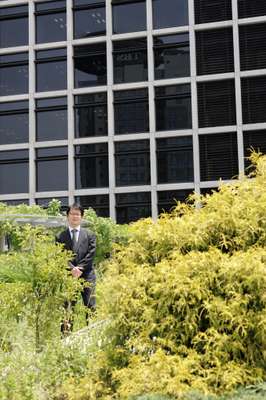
x=185 y=299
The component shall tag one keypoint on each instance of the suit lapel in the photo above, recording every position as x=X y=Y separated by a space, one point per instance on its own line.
x=68 y=240
x=81 y=235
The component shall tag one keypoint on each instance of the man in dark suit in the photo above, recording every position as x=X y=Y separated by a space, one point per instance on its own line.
x=83 y=244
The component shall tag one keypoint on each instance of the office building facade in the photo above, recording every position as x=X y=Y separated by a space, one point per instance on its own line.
x=127 y=105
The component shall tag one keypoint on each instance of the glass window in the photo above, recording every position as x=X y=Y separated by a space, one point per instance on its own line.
x=169 y=13
x=168 y=199
x=216 y=103
x=218 y=156
x=171 y=56
x=44 y=202
x=254 y=8
x=175 y=159
x=254 y=140
x=50 y=21
x=129 y=16
x=130 y=60
x=91 y=115
x=51 y=119
x=212 y=10
x=16 y=202
x=99 y=203
x=51 y=70
x=89 y=18
x=132 y=206
x=14 y=26
x=14 y=171
x=252 y=41
x=214 y=49
x=253 y=91
x=173 y=107
x=131 y=108
x=90 y=65
x=91 y=165
x=14 y=122
x=51 y=162
x=14 y=74
x=132 y=163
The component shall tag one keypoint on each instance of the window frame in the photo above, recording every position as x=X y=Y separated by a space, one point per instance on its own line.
x=87 y=7
x=16 y=111
x=15 y=16
x=132 y=50
x=39 y=159
x=92 y=154
x=86 y=105
x=48 y=11
x=165 y=46
x=139 y=99
x=40 y=109
x=49 y=60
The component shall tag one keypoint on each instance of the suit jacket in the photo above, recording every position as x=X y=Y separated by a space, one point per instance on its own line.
x=86 y=247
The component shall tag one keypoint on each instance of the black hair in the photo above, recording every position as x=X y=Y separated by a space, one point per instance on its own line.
x=75 y=206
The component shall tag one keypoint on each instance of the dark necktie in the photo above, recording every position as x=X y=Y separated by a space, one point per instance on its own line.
x=74 y=239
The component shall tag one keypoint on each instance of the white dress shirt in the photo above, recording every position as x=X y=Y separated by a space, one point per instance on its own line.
x=77 y=232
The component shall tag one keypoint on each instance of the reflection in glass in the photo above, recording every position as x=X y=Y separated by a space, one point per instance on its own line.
x=14 y=171
x=132 y=163
x=91 y=165
x=51 y=119
x=50 y=22
x=51 y=162
x=132 y=206
x=130 y=60
x=131 y=108
x=99 y=203
x=175 y=160
x=90 y=65
x=129 y=16
x=169 y=13
x=89 y=20
x=14 y=122
x=91 y=115
x=173 y=107
x=171 y=56
x=14 y=76
x=51 y=70
x=14 y=26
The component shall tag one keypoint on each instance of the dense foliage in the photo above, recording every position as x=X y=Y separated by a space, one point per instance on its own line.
x=185 y=300
x=181 y=305
x=34 y=286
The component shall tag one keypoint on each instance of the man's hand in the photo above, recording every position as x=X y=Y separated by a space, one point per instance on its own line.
x=76 y=272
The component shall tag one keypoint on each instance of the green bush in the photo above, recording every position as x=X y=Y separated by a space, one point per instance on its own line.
x=35 y=284
x=107 y=233
x=185 y=299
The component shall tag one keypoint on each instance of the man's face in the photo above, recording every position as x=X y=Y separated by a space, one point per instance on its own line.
x=74 y=218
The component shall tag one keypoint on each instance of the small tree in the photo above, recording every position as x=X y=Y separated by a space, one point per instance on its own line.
x=35 y=283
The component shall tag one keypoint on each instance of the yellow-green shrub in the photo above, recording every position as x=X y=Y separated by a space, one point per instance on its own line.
x=186 y=301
